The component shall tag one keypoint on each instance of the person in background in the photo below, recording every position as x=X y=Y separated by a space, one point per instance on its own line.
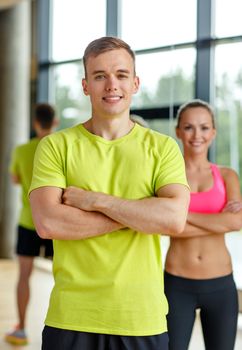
x=139 y=120
x=198 y=269
x=105 y=191
x=29 y=243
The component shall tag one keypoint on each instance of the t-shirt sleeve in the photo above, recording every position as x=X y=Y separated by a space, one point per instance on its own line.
x=172 y=166
x=49 y=165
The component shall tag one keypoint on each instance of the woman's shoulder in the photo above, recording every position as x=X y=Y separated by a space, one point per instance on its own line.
x=227 y=173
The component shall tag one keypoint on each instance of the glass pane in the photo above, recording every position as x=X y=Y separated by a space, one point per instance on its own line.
x=71 y=104
x=233 y=242
x=228 y=80
x=75 y=24
x=167 y=78
x=154 y=23
x=164 y=126
x=228 y=18
x=228 y=76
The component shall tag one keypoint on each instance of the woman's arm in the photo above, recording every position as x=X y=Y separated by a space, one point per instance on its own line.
x=230 y=219
x=193 y=231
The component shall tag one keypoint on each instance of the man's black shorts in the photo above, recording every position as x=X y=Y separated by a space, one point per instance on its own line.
x=61 y=339
x=30 y=244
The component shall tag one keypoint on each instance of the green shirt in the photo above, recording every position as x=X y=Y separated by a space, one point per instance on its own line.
x=21 y=165
x=111 y=284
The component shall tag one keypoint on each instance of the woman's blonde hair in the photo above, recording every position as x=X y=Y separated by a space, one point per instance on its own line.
x=193 y=104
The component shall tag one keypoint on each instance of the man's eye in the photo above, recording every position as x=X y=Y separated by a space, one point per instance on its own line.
x=122 y=76
x=99 y=77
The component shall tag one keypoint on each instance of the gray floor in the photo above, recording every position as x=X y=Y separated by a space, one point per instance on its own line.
x=41 y=285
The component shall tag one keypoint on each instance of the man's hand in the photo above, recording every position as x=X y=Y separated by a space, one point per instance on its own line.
x=79 y=198
x=164 y=214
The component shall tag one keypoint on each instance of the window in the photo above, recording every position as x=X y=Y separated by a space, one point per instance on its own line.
x=166 y=78
x=75 y=24
x=72 y=105
x=228 y=18
x=157 y=23
x=228 y=98
x=228 y=102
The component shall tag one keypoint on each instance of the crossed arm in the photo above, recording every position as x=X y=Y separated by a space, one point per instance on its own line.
x=223 y=222
x=77 y=214
x=230 y=219
x=55 y=220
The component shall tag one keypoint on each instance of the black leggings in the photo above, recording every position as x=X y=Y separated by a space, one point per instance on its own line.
x=217 y=299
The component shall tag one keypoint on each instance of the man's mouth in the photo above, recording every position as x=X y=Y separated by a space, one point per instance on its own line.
x=112 y=98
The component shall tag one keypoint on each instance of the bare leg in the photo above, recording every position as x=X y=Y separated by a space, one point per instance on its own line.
x=23 y=289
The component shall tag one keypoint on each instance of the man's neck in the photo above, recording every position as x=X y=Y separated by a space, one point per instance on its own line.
x=109 y=129
x=42 y=133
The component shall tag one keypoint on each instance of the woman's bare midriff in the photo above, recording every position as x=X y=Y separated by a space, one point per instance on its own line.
x=198 y=257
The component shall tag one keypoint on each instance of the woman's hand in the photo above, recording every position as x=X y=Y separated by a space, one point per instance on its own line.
x=232 y=206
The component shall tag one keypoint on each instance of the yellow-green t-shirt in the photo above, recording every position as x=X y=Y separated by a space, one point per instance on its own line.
x=21 y=165
x=111 y=284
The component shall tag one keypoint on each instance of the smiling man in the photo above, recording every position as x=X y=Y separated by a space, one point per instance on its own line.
x=105 y=191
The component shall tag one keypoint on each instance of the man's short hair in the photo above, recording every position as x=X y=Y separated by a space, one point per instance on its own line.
x=44 y=115
x=105 y=44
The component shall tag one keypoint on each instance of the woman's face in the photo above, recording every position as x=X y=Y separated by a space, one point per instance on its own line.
x=196 y=130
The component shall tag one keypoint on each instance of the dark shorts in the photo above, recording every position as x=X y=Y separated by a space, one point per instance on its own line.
x=61 y=339
x=30 y=244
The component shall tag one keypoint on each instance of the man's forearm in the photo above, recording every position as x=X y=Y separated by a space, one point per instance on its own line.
x=163 y=214
x=149 y=215
x=59 y=221
x=69 y=223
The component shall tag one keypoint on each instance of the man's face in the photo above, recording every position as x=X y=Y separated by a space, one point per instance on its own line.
x=110 y=83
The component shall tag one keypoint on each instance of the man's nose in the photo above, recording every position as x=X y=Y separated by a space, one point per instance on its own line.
x=111 y=84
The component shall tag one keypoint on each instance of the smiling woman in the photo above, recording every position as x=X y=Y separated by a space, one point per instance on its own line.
x=198 y=265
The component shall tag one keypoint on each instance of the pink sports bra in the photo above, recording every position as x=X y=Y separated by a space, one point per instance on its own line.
x=213 y=200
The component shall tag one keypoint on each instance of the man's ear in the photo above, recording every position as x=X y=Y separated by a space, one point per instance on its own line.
x=56 y=122
x=136 y=84
x=85 y=86
x=35 y=125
